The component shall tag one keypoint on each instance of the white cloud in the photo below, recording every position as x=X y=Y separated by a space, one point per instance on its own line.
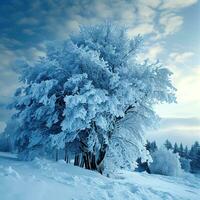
x=141 y=29
x=128 y=16
x=151 y=3
x=171 y=23
x=102 y=8
x=8 y=78
x=145 y=13
x=177 y=4
x=152 y=54
x=180 y=57
x=34 y=53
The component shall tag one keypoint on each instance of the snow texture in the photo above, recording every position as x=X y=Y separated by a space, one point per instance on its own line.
x=42 y=179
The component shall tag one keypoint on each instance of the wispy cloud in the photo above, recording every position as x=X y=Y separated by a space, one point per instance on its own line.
x=171 y=23
x=141 y=29
x=177 y=4
x=179 y=57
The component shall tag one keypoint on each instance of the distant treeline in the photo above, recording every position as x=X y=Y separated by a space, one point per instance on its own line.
x=192 y=154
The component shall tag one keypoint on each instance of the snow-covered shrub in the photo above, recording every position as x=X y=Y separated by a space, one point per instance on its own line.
x=91 y=97
x=185 y=164
x=165 y=162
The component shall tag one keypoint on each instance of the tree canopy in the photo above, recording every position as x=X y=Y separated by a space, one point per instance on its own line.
x=90 y=96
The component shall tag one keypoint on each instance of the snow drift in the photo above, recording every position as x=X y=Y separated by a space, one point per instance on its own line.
x=42 y=179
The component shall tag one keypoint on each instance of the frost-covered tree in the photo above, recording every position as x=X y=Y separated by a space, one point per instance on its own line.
x=176 y=149
x=181 y=150
x=186 y=152
x=165 y=162
x=168 y=145
x=185 y=164
x=194 y=155
x=92 y=98
x=151 y=146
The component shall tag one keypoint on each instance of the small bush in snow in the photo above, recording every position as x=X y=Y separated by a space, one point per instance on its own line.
x=165 y=162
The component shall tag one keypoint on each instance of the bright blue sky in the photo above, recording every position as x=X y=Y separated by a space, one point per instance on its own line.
x=171 y=29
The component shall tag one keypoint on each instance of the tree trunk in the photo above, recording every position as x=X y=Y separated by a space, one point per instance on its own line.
x=56 y=154
x=65 y=153
x=102 y=153
x=82 y=162
x=77 y=160
x=90 y=161
x=87 y=161
x=66 y=156
x=93 y=162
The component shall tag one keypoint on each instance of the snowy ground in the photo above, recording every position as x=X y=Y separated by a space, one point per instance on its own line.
x=46 y=180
